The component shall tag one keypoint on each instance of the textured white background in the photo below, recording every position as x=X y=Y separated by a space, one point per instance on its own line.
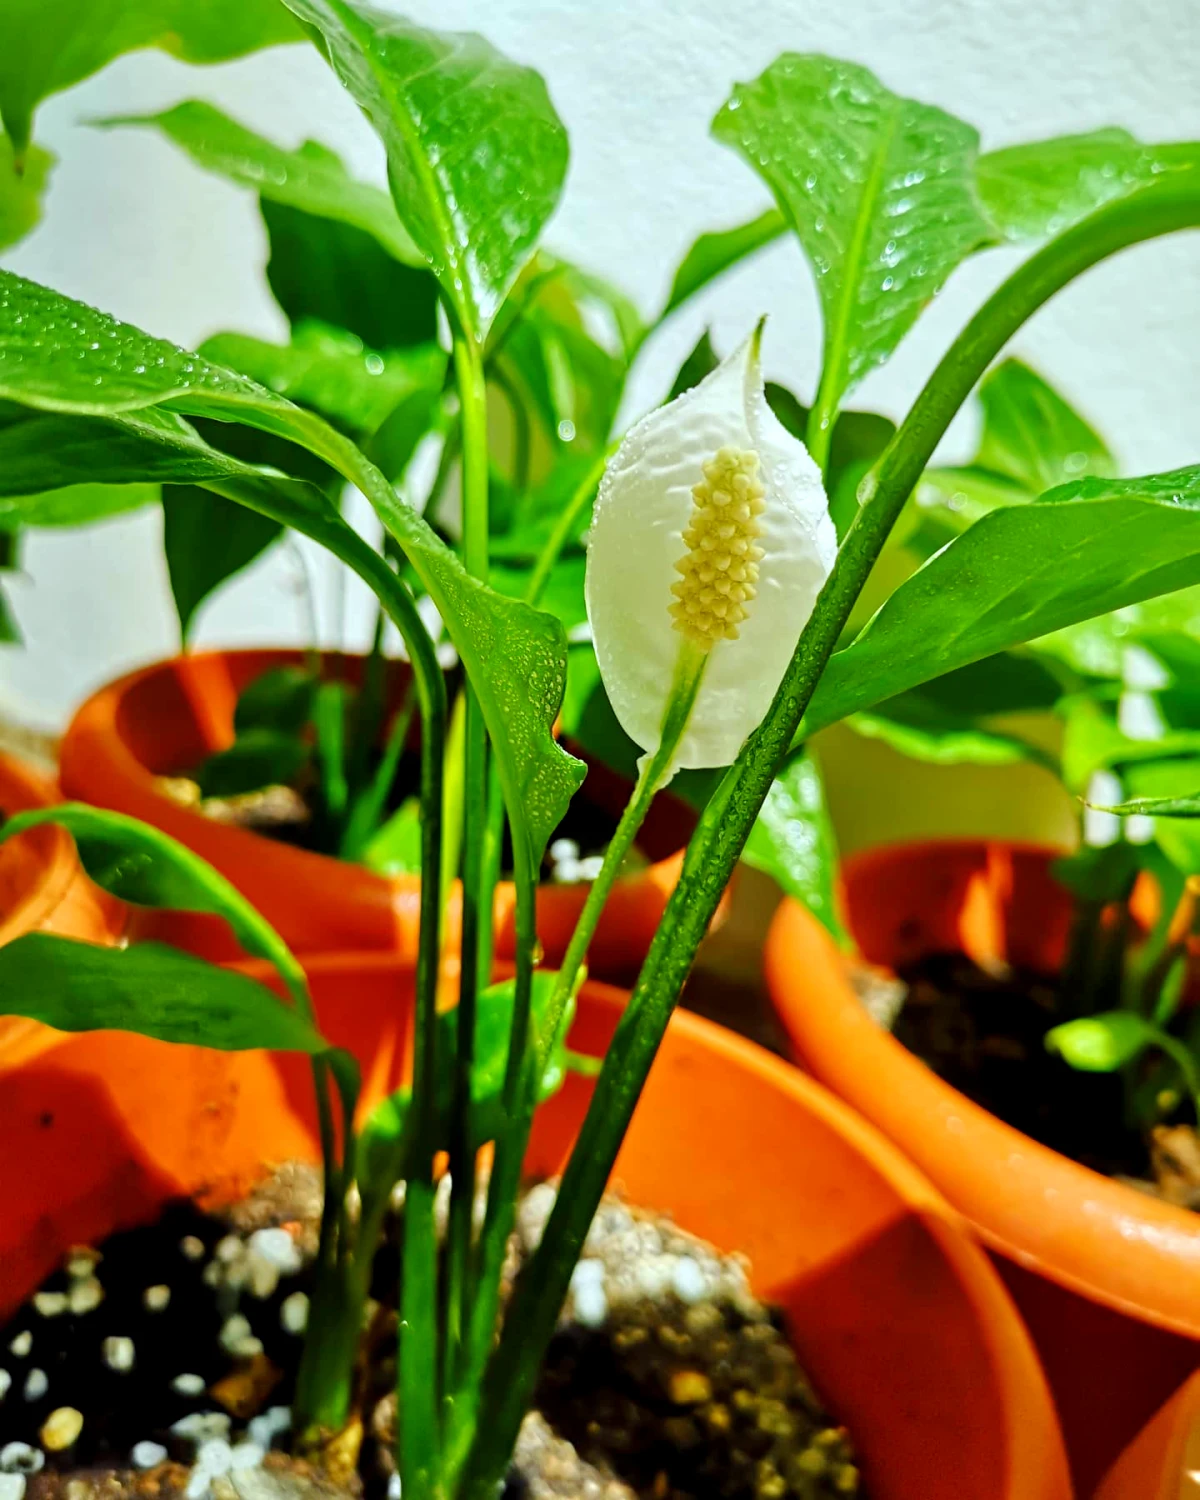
x=134 y=228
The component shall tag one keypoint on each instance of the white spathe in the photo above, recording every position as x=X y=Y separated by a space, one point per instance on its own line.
x=645 y=503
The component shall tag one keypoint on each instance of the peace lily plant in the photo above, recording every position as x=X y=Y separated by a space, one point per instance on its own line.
x=720 y=588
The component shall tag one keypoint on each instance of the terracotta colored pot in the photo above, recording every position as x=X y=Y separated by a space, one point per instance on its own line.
x=165 y=719
x=1163 y=1461
x=42 y=886
x=900 y=1319
x=1107 y=1279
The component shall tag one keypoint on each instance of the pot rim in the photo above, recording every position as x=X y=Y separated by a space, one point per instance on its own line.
x=1031 y=1203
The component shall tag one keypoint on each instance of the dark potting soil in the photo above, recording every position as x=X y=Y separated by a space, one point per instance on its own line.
x=666 y=1379
x=984 y=1033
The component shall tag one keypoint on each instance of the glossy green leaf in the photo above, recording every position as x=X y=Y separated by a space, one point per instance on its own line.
x=1155 y=807
x=1097 y=647
x=476 y=153
x=48 y=45
x=325 y=270
x=1103 y=1043
x=280 y=699
x=714 y=253
x=207 y=540
x=879 y=189
x=331 y=372
x=21 y=191
x=148 y=989
x=1083 y=549
x=140 y=864
x=702 y=361
x=1043 y=187
x=311 y=179
x=60 y=355
x=793 y=841
x=1032 y=436
x=74 y=505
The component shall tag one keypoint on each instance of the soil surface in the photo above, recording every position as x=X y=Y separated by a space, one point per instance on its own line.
x=984 y=1033
x=162 y=1364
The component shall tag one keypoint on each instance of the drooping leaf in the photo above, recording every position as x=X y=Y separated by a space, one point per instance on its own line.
x=312 y=179
x=793 y=841
x=59 y=355
x=150 y=989
x=1083 y=549
x=48 y=45
x=325 y=270
x=714 y=253
x=1043 y=187
x=331 y=372
x=207 y=540
x=21 y=191
x=75 y=505
x=1103 y=1043
x=476 y=153
x=879 y=189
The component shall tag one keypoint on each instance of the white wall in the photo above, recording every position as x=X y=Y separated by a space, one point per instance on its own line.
x=134 y=228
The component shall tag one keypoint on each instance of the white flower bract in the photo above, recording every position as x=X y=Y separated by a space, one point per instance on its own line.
x=663 y=479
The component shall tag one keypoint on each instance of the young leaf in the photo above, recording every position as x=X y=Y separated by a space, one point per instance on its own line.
x=280 y=699
x=331 y=372
x=48 y=45
x=312 y=179
x=1083 y=549
x=1103 y=1043
x=476 y=153
x=63 y=356
x=150 y=989
x=879 y=189
x=1043 y=187
x=327 y=271
x=207 y=539
x=793 y=841
x=21 y=191
x=74 y=505
x=714 y=253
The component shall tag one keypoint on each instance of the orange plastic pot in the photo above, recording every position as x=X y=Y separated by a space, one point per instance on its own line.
x=42 y=886
x=1163 y=1461
x=1107 y=1279
x=165 y=719
x=897 y=1315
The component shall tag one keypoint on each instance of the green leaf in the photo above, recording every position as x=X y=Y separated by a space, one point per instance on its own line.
x=60 y=355
x=21 y=191
x=149 y=989
x=395 y=848
x=207 y=540
x=256 y=759
x=879 y=189
x=1155 y=807
x=331 y=372
x=1083 y=549
x=476 y=153
x=324 y=270
x=1177 y=837
x=48 y=45
x=1093 y=741
x=280 y=699
x=793 y=841
x=312 y=179
x=700 y=362
x=911 y=727
x=75 y=505
x=1043 y=187
x=859 y=437
x=714 y=253
x=1103 y=1043
x=137 y=863
x=1032 y=436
